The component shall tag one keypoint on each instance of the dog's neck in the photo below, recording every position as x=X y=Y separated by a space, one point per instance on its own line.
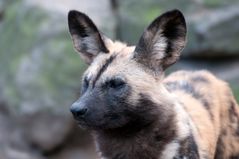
x=134 y=141
x=169 y=140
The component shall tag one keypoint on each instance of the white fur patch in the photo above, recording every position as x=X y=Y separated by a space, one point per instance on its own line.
x=159 y=47
x=116 y=46
x=98 y=150
x=170 y=150
x=183 y=123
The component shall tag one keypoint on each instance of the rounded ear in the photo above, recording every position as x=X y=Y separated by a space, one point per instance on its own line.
x=162 y=42
x=85 y=36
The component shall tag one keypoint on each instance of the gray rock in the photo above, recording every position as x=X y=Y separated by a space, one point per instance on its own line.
x=214 y=33
x=79 y=145
x=12 y=153
x=212 y=25
x=135 y=15
x=98 y=10
x=37 y=73
x=46 y=131
x=12 y=142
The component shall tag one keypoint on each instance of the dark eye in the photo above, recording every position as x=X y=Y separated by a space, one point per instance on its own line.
x=85 y=85
x=116 y=83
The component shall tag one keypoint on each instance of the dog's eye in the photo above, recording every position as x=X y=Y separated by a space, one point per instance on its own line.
x=116 y=83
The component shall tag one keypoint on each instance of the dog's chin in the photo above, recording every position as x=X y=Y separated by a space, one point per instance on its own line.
x=83 y=125
x=99 y=125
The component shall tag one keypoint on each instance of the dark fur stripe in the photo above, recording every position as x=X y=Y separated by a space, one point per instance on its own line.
x=233 y=116
x=234 y=157
x=103 y=68
x=188 y=148
x=220 y=150
x=189 y=89
x=200 y=79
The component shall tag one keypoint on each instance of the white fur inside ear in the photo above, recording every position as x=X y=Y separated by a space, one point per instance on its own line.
x=87 y=45
x=159 y=47
x=90 y=44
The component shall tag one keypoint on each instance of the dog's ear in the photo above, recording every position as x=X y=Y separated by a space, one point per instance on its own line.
x=162 y=42
x=85 y=35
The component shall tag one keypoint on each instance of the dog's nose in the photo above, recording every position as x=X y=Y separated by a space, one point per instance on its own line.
x=78 y=111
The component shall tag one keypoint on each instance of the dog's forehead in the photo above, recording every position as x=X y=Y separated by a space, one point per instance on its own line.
x=117 y=60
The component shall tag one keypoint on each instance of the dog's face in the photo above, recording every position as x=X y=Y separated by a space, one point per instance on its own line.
x=121 y=84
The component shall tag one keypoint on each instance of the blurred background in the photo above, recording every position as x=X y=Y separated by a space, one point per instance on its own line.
x=40 y=72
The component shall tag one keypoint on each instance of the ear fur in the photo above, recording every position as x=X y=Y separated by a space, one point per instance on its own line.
x=162 y=42
x=85 y=36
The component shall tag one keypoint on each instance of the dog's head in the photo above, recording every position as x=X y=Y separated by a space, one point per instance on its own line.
x=122 y=84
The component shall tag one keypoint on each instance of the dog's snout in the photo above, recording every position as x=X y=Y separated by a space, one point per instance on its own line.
x=78 y=111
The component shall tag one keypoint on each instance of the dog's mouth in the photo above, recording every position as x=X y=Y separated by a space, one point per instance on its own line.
x=90 y=125
x=82 y=124
x=97 y=124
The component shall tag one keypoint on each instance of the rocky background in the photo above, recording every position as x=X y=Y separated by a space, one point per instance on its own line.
x=40 y=72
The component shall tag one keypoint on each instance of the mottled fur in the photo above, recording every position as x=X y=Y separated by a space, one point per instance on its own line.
x=136 y=113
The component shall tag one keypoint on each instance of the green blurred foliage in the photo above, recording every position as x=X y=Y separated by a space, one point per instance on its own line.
x=47 y=60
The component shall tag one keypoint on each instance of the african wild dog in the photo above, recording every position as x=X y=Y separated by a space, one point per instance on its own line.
x=136 y=113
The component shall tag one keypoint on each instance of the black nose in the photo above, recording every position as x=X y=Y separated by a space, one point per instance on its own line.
x=78 y=111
